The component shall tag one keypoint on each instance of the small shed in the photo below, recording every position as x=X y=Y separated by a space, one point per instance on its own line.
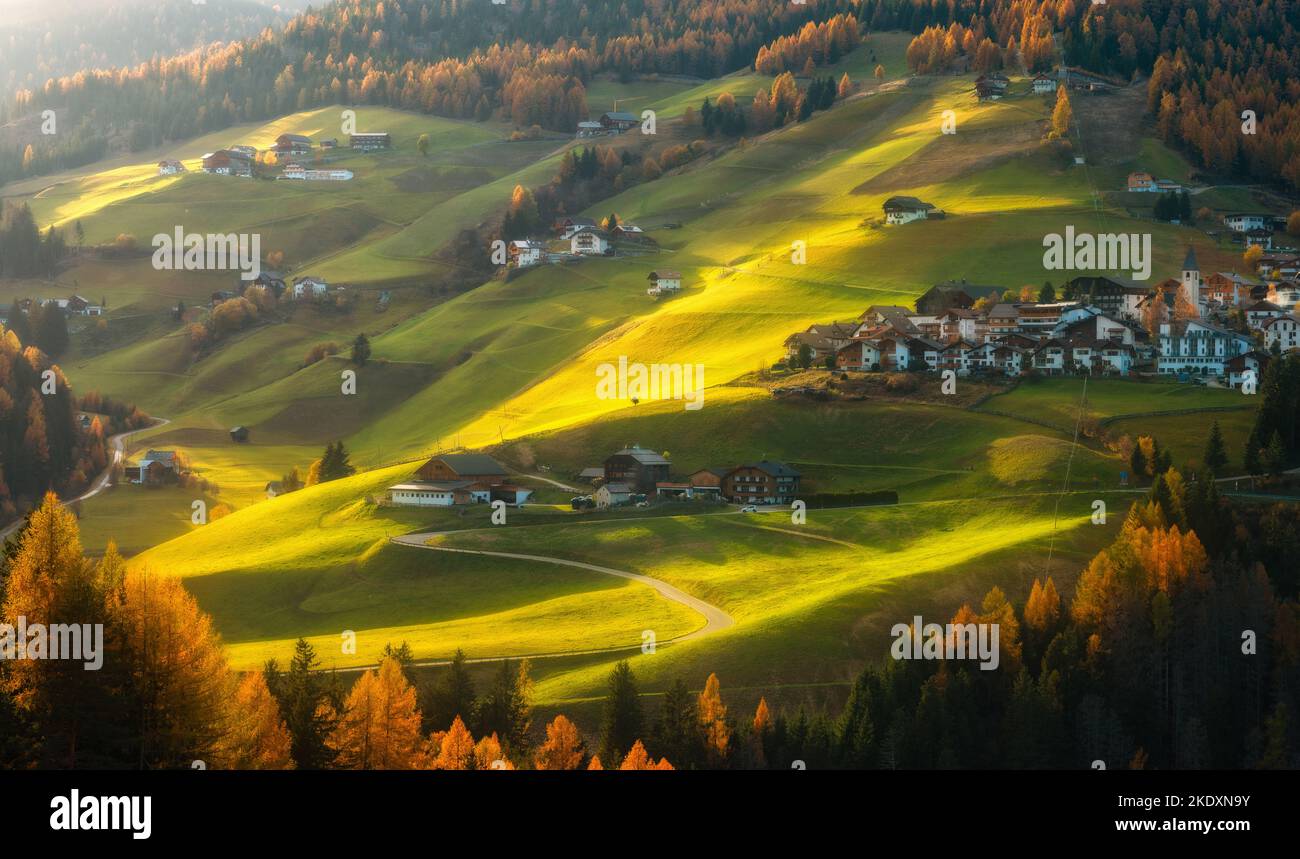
x=239 y=434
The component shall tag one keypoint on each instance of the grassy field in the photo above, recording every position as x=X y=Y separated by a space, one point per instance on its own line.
x=810 y=602
x=511 y=366
x=922 y=451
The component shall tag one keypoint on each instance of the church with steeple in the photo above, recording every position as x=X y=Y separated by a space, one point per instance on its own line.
x=1191 y=280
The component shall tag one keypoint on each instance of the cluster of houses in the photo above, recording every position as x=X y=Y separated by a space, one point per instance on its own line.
x=636 y=474
x=1254 y=229
x=572 y=238
x=305 y=287
x=970 y=329
x=239 y=160
x=313 y=174
x=456 y=479
x=993 y=86
x=610 y=122
x=1145 y=183
x=74 y=305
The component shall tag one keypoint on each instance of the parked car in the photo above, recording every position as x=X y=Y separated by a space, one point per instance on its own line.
x=749 y=508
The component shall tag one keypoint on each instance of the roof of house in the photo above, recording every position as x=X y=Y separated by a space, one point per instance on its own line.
x=642 y=455
x=775 y=469
x=590 y=473
x=167 y=457
x=1285 y=317
x=431 y=485
x=910 y=203
x=274 y=486
x=622 y=116
x=472 y=463
x=664 y=275
x=1262 y=306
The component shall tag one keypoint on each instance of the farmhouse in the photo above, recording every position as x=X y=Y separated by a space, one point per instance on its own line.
x=589 y=241
x=309 y=286
x=629 y=232
x=158 y=467
x=591 y=129
x=249 y=151
x=1244 y=222
x=1282 y=332
x=458 y=478
x=566 y=227
x=169 y=168
x=613 y=495
x=664 y=281
x=429 y=493
x=292 y=144
x=1141 y=183
x=272 y=281
x=79 y=306
x=761 y=483
x=227 y=162
x=1044 y=83
x=708 y=482
x=239 y=434
x=902 y=210
x=636 y=467
x=470 y=467
x=526 y=252
x=371 y=140
x=274 y=489
x=619 y=122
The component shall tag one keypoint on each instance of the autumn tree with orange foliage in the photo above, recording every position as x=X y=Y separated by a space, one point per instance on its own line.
x=256 y=737
x=563 y=749
x=452 y=749
x=379 y=728
x=639 y=759
x=713 y=719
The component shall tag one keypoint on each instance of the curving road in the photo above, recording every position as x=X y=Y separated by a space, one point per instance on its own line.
x=100 y=483
x=715 y=619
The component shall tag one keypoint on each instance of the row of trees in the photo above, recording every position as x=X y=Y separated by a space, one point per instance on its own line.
x=42 y=445
x=24 y=250
x=586 y=175
x=1178 y=649
x=782 y=103
x=1274 y=440
x=1206 y=62
x=527 y=67
x=818 y=44
x=1175 y=651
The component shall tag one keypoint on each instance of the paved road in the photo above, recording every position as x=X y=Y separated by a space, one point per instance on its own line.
x=715 y=619
x=100 y=483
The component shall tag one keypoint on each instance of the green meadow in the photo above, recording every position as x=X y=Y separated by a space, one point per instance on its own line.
x=510 y=367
